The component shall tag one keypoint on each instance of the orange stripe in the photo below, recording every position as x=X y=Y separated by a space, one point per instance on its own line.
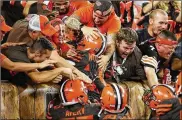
x=149 y=62
x=151 y=58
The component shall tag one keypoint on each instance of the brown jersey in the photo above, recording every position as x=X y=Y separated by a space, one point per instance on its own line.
x=59 y=112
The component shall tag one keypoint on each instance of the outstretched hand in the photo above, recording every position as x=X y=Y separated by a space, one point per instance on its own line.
x=103 y=62
x=57 y=79
x=82 y=76
x=90 y=32
x=68 y=72
x=46 y=63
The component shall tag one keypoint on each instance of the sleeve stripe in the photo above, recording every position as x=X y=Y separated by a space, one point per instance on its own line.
x=150 y=64
x=150 y=61
x=151 y=58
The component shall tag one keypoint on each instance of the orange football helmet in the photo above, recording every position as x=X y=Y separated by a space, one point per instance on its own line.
x=114 y=98
x=96 y=46
x=73 y=92
x=157 y=94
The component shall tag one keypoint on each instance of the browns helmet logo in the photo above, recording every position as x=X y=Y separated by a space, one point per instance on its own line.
x=157 y=94
x=114 y=98
x=96 y=46
x=73 y=92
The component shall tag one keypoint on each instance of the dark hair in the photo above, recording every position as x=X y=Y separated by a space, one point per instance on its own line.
x=37 y=8
x=33 y=8
x=127 y=34
x=167 y=35
x=41 y=44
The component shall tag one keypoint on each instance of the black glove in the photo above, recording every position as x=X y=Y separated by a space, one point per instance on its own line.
x=173 y=113
x=93 y=69
x=92 y=95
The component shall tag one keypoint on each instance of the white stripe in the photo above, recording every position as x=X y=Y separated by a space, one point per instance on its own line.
x=46 y=2
x=179 y=91
x=104 y=44
x=149 y=63
x=61 y=91
x=150 y=59
x=119 y=96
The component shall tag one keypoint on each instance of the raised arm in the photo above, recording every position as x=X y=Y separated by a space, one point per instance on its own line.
x=151 y=76
x=103 y=59
x=44 y=76
x=61 y=62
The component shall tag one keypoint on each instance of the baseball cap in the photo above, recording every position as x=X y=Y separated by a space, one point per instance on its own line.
x=103 y=6
x=72 y=23
x=42 y=23
x=4 y=26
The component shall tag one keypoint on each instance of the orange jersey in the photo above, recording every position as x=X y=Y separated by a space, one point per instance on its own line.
x=80 y=4
x=112 y=25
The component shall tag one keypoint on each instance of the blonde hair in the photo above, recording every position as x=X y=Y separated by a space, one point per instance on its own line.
x=27 y=7
x=164 y=5
x=154 y=13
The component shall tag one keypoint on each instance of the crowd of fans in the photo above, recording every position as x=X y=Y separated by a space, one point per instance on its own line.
x=92 y=46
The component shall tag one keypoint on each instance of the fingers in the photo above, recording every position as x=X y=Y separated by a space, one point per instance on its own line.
x=82 y=76
x=94 y=35
x=87 y=80
x=57 y=79
x=101 y=64
x=72 y=76
x=50 y=61
x=91 y=32
x=75 y=59
x=71 y=53
x=164 y=106
x=95 y=29
x=68 y=72
x=93 y=57
x=47 y=63
x=162 y=111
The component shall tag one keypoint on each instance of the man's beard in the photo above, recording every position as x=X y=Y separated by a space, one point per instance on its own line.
x=61 y=13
